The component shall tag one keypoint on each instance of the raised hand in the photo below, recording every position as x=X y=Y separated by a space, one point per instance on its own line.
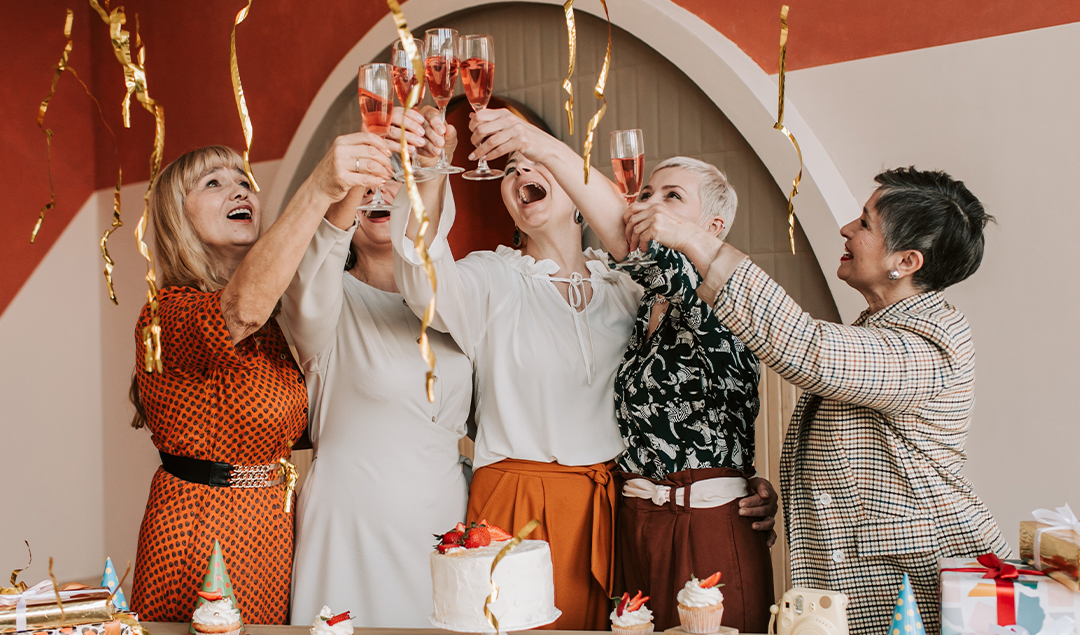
x=437 y=135
x=498 y=132
x=414 y=124
x=647 y=221
x=360 y=159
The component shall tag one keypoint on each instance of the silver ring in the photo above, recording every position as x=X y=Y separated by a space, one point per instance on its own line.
x=358 y=166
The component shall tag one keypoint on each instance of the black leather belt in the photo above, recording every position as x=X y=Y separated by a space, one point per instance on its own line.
x=216 y=474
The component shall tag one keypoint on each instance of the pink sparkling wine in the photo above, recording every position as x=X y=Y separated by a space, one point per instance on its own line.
x=477 y=77
x=441 y=73
x=404 y=80
x=376 y=112
x=628 y=174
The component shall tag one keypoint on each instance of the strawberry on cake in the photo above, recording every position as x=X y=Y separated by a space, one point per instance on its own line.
x=461 y=581
x=701 y=605
x=631 y=616
x=326 y=623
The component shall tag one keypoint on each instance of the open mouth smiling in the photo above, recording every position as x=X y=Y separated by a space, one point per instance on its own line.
x=531 y=193
x=240 y=213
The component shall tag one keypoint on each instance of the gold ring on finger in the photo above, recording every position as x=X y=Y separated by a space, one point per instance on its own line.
x=358 y=166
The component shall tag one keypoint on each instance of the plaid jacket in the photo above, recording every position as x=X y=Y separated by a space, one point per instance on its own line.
x=870 y=470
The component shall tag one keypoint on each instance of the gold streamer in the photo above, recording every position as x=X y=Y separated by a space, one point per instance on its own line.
x=238 y=92
x=116 y=224
x=60 y=66
x=515 y=541
x=419 y=213
x=780 y=126
x=16 y=586
x=56 y=590
x=135 y=82
x=598 y=92
x=571 y=36
x=288 y=471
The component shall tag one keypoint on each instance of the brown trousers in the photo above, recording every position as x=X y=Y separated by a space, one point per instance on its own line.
x=658 y=548
x=576 y=507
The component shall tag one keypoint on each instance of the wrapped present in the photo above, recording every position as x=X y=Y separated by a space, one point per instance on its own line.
x=1051 y=543
x=985 y=595
x=112 y=627
x=37 y=608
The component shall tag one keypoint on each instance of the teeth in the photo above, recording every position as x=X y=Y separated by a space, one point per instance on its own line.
x=531 y=192
x=240 y=214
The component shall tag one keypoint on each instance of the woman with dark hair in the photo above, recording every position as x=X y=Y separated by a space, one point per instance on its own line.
x=870 y=471
x=229 y=400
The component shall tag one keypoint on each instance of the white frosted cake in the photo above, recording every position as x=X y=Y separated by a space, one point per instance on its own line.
x=461 y=581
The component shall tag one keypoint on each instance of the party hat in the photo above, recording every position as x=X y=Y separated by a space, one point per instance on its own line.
x=109 y=579
x=215 y=581
x=906 y=618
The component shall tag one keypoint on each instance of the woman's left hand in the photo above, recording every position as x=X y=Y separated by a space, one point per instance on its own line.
x=762 y=503
x=438 y=136
x=647 y=221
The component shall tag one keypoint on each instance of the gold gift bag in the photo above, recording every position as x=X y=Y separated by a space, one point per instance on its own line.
x=1059 y=551
x=38 y=606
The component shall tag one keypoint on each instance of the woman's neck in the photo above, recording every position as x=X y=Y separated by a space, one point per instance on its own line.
x=563 y=249
x=888 y=295
x=228 y=259
x=375 y=269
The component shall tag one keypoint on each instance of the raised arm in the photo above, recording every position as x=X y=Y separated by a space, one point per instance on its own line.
x=888 y=369
x=498 y=132
x=259 y=281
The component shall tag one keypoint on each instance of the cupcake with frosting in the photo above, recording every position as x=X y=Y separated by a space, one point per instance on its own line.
x=631 y=616
x=326 y=623
x=217 y=616
x=701 y=605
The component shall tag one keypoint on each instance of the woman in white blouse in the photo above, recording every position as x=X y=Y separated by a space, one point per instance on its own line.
x=545 y=326
x=386 y=474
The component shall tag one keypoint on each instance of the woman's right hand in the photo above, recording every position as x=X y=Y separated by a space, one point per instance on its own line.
x=360 y=159
x=498 y=132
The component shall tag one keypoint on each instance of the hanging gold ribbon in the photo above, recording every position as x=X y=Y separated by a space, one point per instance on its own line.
x=60 y=66
x=418 y=210
x=515 y=541
x=16 y=586
x=571 y=36
x=598 y=92
x=238 y=92
x=135 y=82
x=780 y=126
x=116 y=224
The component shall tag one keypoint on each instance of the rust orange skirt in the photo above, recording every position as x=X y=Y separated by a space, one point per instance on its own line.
x=576 y=508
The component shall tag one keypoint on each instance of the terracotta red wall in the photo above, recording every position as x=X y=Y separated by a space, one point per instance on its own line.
x=287 y=49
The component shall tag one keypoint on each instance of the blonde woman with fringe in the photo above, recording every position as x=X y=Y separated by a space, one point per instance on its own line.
x=230 y=400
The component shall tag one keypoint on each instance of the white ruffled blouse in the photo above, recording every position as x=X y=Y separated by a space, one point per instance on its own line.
x=544 y=370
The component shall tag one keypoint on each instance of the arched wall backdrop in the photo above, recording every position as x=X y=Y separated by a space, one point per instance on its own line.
x=974 y=88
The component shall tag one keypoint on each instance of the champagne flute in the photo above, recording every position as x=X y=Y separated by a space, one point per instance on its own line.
x=441 y=71
x=628 y=162
x=477 y=77
x=404 y=80
x=376 y=88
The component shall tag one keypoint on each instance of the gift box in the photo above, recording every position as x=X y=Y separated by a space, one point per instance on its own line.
x=1051 y=543
x=36 y=608
x=983 y=595
x=112 y=627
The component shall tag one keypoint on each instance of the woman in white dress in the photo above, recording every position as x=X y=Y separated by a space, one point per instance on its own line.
x=386 y=474
x=545 y=326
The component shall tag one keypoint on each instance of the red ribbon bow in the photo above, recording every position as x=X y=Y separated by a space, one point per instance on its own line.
x=1003 y=575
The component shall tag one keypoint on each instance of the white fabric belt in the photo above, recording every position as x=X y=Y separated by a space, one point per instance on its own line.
x=711 y=492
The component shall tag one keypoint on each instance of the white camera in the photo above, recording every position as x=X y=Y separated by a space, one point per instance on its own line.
x=810 y=612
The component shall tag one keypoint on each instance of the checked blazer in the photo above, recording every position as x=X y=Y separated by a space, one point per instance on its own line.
x=870 y=470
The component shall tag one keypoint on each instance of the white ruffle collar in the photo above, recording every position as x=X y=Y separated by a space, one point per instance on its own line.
x=595 y=259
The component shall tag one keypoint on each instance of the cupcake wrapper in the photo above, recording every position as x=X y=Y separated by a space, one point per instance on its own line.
x=639 y=629
x=701 y=620
x=238 y=630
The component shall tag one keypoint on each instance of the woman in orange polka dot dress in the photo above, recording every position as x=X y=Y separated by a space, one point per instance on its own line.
x=230 y=400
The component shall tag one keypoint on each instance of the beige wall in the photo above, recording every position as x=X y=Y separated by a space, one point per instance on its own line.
x=998 y=114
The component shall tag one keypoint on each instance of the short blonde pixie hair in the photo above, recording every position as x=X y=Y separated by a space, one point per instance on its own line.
x=183 y=259
x=717 y=196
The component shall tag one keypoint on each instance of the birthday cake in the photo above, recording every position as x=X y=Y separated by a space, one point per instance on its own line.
x=461 y=581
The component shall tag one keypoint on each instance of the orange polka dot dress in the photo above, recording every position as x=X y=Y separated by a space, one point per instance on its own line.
x=240 y=405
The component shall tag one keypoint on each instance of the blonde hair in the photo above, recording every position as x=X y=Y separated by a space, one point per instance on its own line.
x=717 y=196
x=183 y=259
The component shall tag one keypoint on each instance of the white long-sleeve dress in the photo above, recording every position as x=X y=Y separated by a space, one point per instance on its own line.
x=386 y=473
x=545 y=371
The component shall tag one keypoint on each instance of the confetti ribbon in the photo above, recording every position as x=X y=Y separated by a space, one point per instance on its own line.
x=598 y=92
x=571 y=36
x=60 y=66
x=238 y=92
x=780 y=126
x=18 y=587
x=116 y=224
x=135 y=82
x=515 y=541
x=418 y=210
